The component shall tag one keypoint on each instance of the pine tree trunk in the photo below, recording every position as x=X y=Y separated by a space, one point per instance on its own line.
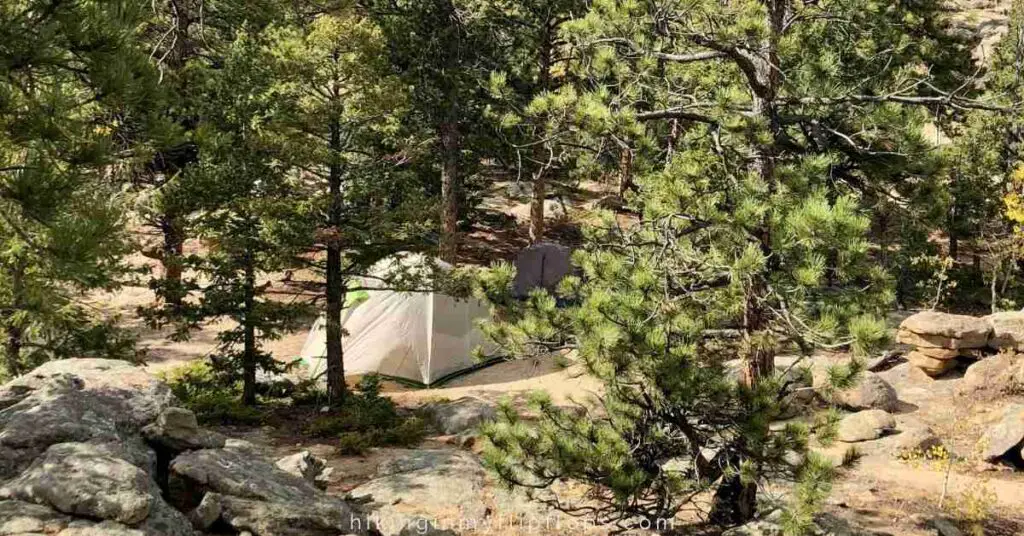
x=15 y=334
x=448 y=133
x=735 y=500
x=541 y=150
x=763 y=78
x=249 y=336
x=173 y=253
x=625 y=171
x=335 y=278
x=537 y=207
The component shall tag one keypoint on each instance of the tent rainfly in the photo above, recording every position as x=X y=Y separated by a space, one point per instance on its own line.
x=418 y=336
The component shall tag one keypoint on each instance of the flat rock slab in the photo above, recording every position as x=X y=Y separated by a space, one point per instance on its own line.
x=236 y=472
x=1004 y=436
x=252 y=494
x=320 y=517
x=445 y=486
x=177 y=429
x=943 y=330
x=930 y=365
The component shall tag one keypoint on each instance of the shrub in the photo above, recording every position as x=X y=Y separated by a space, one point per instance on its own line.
x=212 y=397
x=368 y=420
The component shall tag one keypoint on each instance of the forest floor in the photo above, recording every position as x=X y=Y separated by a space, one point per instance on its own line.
x=882 y=493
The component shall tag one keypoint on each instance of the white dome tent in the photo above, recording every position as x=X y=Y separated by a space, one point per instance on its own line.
x=418 y=336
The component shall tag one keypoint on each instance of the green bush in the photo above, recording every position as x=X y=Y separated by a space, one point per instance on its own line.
x=368 y=420
x=213 y=398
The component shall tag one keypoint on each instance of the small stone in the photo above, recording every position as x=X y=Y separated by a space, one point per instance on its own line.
x=865 y=426
x=305 y=465
x=462 y=415
x=945 y=527
x=915 y=438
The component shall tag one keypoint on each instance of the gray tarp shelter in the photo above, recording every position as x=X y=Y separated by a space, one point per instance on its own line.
x=542 y=265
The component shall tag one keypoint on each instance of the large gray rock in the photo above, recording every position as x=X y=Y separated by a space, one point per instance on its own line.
x=459 y=416
x=77 y=400
x=870 y=392
x=177 y=429
x=443 y=485
x=255 y=495
x=1007 y=330
x=1004 y=436
x=315 y=518
x=83 y=480
x=24 y=519
x=236 y=472
x=18 y=517
x=865 y=426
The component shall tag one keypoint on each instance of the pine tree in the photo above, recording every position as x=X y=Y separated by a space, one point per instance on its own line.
x=993 y=144
x=185 y=40
x=533 y=66
x=65 y=67
x=246 y=190
x=441 y=51
x=342 y=109
x=756 y=225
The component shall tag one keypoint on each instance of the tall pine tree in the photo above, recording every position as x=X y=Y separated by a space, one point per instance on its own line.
x=755 y=226
x=66 y=68
x=341 y=114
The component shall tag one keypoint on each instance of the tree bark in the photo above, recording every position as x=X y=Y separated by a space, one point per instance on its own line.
x=15 y=333
x=625 y=171
x=541 y=151
x=764 y=81
x=249 y=336
x=172 y=259
x=336 y=388
x=448 y=133
x=734 y=502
